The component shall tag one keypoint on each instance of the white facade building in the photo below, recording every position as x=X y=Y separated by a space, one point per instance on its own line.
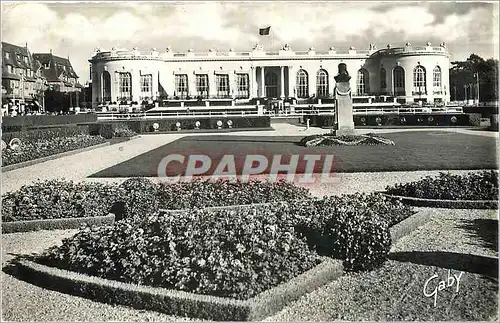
x=408 y=73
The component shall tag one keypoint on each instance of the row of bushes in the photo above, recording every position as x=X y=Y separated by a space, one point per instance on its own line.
x=33 y=135
x=401 y=120
x=59 y=198
x=471 y=186
x=30 y=150
x=144 y=126
x=21 y=123
x=235 y=254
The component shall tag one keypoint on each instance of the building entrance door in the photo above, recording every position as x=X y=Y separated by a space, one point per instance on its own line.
x=271 y=85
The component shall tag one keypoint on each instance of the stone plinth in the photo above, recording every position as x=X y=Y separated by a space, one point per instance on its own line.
x=343 y=111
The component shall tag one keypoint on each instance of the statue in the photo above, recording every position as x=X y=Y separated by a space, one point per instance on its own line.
x=343 y=75
x=286 y=47
x=343 y=103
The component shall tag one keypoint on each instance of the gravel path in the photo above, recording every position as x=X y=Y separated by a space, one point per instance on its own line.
x=22 y=301
x=395 y=291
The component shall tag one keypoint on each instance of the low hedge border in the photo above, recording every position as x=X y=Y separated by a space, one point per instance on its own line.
x=410 y=224
x=449 y=204
x=208 y=130
x=194 y=305
x=177 y=302
x=53 y=224
x=51 y=157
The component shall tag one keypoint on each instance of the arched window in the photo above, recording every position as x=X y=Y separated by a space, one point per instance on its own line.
x=106 y=86
x=419 y=80
x=383 y=79
x=322 y=83
x=399 y=81
x=125 y=86
x=181 y=85
x=362 y=84
x=302 y=84
x=436 y=77
x=146 y=86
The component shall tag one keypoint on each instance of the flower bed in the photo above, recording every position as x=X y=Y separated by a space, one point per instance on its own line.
x=221 y=253
x=345 y=140
x=30 y=150
x=482 y=186
x=204 y=193
x=237 y=254
x=137 y=196
x=56 y=199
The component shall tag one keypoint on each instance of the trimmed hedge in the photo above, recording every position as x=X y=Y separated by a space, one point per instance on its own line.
x=54 y=224
x=19 y=123
x=165 y=125
x=33 y=135
x=449 y=204
x=180 y=303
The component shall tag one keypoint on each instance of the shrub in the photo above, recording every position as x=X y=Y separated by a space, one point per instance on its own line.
x=55 y=199
x=123 y=131
x=34 y=135
x=221 y=253
x=203 y=193
x=472 y=186
x=140 y=197
x=30 y=150
x=354 y=228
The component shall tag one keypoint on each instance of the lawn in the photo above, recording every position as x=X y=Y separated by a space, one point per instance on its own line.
x=423 y=150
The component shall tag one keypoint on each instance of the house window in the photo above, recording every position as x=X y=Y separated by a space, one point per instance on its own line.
x=181 y=85
x=146 y=86
x=106 y=86
x=419 y=80
x=362 y=84
x=243 y=89
x=202 y=85
x=18 y=57
x=302 y=84
x=322 y=83
x=436 y=77
x=222 y=81
x=399 y=81
x=383 y=79
x=125 y=86
x=9 y=69
x=7 y=55
x=26 y=59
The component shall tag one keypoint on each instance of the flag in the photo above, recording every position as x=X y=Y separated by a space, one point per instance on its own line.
x=264 y=31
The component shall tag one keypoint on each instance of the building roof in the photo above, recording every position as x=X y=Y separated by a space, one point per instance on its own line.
x=57 y=66
x=17 y=56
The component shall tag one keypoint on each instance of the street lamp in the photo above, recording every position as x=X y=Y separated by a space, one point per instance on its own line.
x=476 y=75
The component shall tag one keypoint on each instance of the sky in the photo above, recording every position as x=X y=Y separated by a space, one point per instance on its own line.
x=76 y=28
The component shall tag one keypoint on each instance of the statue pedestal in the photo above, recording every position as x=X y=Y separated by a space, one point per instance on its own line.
x=343 y=109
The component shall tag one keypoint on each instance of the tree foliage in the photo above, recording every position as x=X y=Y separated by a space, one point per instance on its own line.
x=463 y=73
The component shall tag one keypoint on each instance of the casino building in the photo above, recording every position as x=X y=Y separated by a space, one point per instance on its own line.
x=400 y=74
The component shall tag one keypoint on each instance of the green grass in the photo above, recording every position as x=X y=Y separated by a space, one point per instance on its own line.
x=421 y=150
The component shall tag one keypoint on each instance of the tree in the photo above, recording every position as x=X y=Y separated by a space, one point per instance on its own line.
x=463 y=79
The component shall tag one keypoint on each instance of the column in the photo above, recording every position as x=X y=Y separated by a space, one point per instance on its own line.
x=253 y=82
x=291 y=82
x=312 y=82
x=282 y=93
x=262 y=82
